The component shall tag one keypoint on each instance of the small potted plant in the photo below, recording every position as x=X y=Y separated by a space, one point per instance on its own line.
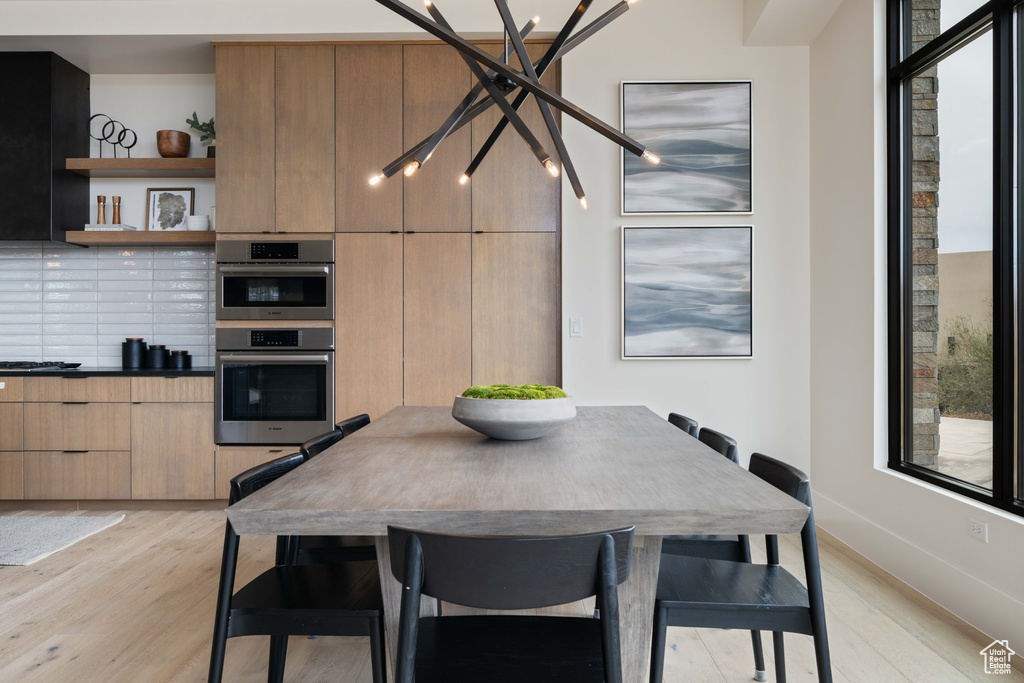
x=208 y=134
x=514 y=413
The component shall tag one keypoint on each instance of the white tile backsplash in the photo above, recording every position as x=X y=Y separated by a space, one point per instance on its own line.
x=77 y=305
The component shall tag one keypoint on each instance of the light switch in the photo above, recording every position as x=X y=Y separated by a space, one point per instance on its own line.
x=575 y=327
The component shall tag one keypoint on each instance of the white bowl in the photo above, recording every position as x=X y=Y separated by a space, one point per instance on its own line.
x=512 y=419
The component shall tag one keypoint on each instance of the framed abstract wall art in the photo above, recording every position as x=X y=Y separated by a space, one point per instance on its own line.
x=687 y=292
x=702 y=132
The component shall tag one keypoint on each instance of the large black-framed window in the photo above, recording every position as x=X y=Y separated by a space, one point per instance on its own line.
x=954 y=95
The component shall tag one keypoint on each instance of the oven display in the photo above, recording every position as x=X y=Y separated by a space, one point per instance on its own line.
x=274 y=338
x=278 y=251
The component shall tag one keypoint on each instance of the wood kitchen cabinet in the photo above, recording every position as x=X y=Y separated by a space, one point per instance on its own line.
x=78 y=475
x=368 y=329
x=515 y=308
x=369 y=135
x=435 y=81
x=512 y=191
x=438 y=318
x=11 y=438
x=77 y=427
x=172 y=451
x=246 y=138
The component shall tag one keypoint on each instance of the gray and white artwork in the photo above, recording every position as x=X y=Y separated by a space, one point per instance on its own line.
x=701 y=131
x=686 y=292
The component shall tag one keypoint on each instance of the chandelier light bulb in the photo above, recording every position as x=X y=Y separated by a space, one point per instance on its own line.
x=583 y=203
x=464 y=179
x=427 y=3
x=536 y=20
x=552 y=168
x=653 y=158
x=376 y=179
x=411 y=169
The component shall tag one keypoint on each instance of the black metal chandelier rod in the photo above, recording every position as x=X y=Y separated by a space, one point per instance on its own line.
x=480 y=107
x=518 y=78
x=499 y=97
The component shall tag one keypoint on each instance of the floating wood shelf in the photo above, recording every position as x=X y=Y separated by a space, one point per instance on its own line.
x=143 y=168
x=141 y=238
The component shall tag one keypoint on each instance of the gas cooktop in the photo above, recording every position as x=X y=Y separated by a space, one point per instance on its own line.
x=37 y=365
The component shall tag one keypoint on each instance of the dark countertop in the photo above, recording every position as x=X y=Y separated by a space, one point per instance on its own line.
x=108 y=372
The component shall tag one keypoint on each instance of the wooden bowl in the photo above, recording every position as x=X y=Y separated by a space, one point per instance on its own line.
x=173 y=143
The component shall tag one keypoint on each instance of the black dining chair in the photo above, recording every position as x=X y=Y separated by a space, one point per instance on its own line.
x=506 y=573
x=687 y=424
x=710 y=593
x=342 y=599
x=720 y=547
x=327 y=549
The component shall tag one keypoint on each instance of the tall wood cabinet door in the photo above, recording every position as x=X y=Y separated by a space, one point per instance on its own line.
x=172 y=451
x=246 y=146
x=305 y=138
x=435 y=81
x=512 y=191
x=369 y=135
x=368 y=326
x=515 y=308
x=438 y=316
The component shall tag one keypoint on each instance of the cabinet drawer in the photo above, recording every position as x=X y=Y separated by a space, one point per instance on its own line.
x=232 y=461
x=55 y=475
x=11 y=476
x=91 y=389
x=172 y=389
x=172 y=451
x=80 y=427
x=11 y=427
x=10 y=389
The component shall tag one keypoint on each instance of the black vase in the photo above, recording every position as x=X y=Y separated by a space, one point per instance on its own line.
x=156 y=357
x=133 y=354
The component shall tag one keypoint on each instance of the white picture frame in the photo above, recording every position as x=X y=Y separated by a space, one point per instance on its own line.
x=168 y=208
x=664 y=190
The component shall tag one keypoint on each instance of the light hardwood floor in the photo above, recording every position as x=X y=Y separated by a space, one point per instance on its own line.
x=135 y=603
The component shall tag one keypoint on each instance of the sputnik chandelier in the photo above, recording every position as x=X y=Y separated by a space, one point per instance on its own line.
x=498 y=80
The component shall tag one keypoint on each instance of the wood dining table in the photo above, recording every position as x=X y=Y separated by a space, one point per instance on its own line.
x=611 y=467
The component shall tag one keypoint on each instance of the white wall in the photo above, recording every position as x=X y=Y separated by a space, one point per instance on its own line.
x=915 y=531
x=762 y=402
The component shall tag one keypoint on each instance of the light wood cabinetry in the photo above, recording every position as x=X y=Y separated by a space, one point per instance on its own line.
x=305 y=138
x=512 y=191
x=76 y=389
x=369 y=135
x=368 y=328
x=435 y=81
x=233 y=460
x=172 y=451
x=246 y=139
x=77 y=427
x=92 y=474
x=438 y=317
x=515 y=308
x=11 y=476
x=11 y=389
x=11 y=429
x=172 y=389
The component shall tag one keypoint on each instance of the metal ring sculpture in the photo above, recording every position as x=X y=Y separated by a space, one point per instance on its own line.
x=112 y=136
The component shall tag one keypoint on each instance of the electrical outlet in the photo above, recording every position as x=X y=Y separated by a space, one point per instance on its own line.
x=978 y=529
x=575 y=327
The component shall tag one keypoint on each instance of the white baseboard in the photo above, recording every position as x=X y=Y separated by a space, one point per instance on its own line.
x=985 y=607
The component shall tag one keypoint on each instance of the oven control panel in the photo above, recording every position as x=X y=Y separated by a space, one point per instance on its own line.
x=275 y=338
x=278 y=251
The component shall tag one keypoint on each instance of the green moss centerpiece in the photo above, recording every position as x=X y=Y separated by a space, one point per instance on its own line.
x=514 y=413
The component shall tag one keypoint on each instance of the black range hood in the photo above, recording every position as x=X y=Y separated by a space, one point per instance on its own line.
x=44 y=120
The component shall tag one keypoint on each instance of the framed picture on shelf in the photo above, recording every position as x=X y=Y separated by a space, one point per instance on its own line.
x=168 y=207
x=702 y=132
x=687 y=292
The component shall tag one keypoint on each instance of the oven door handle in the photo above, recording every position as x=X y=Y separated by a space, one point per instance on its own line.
x=272 y=358
x=270 y=271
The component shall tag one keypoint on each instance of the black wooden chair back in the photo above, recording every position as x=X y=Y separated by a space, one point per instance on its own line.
x=254 y=479
x=353 y=424
x=687 y=424
x=726 y=445
x=508 y=573
x=793 y=482
x=319 y=444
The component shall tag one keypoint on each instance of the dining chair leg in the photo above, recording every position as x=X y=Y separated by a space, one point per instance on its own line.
x=378 y=664
x=760 y=673
x=227 y=584
x=658 y=638
x=780 y=656
x=278 y=654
